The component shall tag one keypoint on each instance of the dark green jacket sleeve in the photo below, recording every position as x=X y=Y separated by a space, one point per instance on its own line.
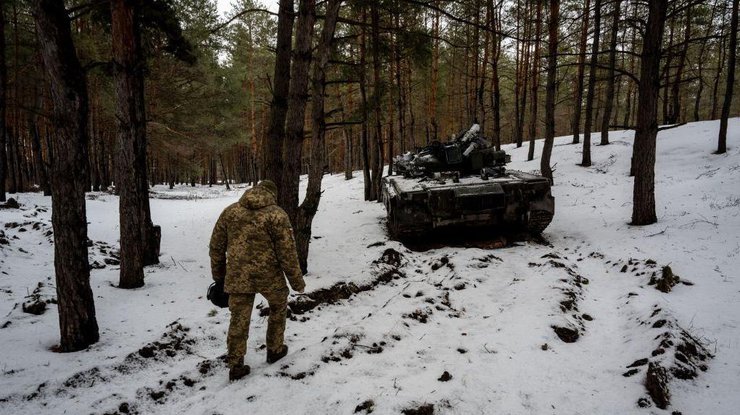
x=219 y=239
x=285 y=250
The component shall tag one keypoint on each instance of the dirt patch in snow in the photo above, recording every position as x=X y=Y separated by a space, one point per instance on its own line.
x=423 y=409
x=677 y=356
x=386 y=270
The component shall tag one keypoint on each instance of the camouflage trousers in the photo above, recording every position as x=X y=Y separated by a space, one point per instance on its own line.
x=240 y=306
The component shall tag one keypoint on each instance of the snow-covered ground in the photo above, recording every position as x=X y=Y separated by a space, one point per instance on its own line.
x=486 y=317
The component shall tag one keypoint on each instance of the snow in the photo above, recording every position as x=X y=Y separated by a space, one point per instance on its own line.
x=489 y=313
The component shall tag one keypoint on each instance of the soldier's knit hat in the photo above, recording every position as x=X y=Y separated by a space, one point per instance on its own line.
x=270 y=186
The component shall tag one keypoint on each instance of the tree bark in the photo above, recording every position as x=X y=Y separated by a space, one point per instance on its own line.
x=643 y=207
x=3 y=106
x=610 y=78
x=77 y=322
x=579 y=81
x=495 y=81
x=586 y=160
x=295 y=117
x=139 y=238
x=674 y=110
x=535 y=83
x=552 y=57
x=364 y=134
x=523 y=74
x=310 y=204
x=281 y=86
x=731 y=55
x=432 y=111
x=376 y=155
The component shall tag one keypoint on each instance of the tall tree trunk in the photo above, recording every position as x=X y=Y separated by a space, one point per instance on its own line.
x=643 y=207
x=348 y=150
x=3 y=107
x=720 y=68
x=295 y=117
x=223 y=171
x=731 y=55
x=377 y=149
x=310 y=204
x=630 y=85
x=480 y=91
x=401 y=96
x=139 y=238
x=667 y=70
x=279 y=106
x=552 y=57
x=391 y=110
x=77 y=322
x=579 y=81
x=495 y=81
x=674 y=112
x=364 y=134
x=432 y=112
x=610 y=77
x=41 y=176
x=524 y=70
x=535 y=82
x=586 y=160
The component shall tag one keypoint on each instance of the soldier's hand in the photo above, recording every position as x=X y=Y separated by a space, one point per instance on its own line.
x=300 y=288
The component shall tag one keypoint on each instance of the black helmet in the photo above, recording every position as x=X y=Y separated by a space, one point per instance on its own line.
x=217 y=295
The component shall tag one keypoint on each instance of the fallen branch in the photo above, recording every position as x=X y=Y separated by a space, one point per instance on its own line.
x=658 y=233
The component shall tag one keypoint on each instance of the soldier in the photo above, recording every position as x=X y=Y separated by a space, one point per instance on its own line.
x=253 y=249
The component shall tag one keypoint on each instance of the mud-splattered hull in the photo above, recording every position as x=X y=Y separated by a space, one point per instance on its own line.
x=516 y=201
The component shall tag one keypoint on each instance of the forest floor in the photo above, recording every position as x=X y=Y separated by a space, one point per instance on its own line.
x=569 y=326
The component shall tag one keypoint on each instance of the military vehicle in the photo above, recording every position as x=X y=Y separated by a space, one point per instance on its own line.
x=464 y=183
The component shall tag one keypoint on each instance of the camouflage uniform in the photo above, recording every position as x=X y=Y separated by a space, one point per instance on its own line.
x=252 y=247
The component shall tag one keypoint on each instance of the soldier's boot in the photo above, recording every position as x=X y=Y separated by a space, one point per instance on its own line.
x=273 y=357
x=239 y=371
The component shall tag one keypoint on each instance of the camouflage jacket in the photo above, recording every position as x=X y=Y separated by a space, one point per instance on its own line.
x=252 y=246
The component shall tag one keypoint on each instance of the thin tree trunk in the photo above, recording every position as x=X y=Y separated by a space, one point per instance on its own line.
x=586 y=160
x=722 y=140
x=552 y=57
x=495 y=81
x=720 y=67
x=667 y=70
x=480 y=92
x=610 y=77
x=675 y=105
x=401 y=98
x=525 y=78
x=224 y=172
x=643 y=207
x=77 y=322
x=434 y=127
x=42 y=177
x=364 y=135
x=3 y=108
x=535 y=82
x=377 y=149
x=579 y=81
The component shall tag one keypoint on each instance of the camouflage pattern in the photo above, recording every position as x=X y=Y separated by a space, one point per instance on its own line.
x=252 y=246
x=240 y=306
x=252 y=249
